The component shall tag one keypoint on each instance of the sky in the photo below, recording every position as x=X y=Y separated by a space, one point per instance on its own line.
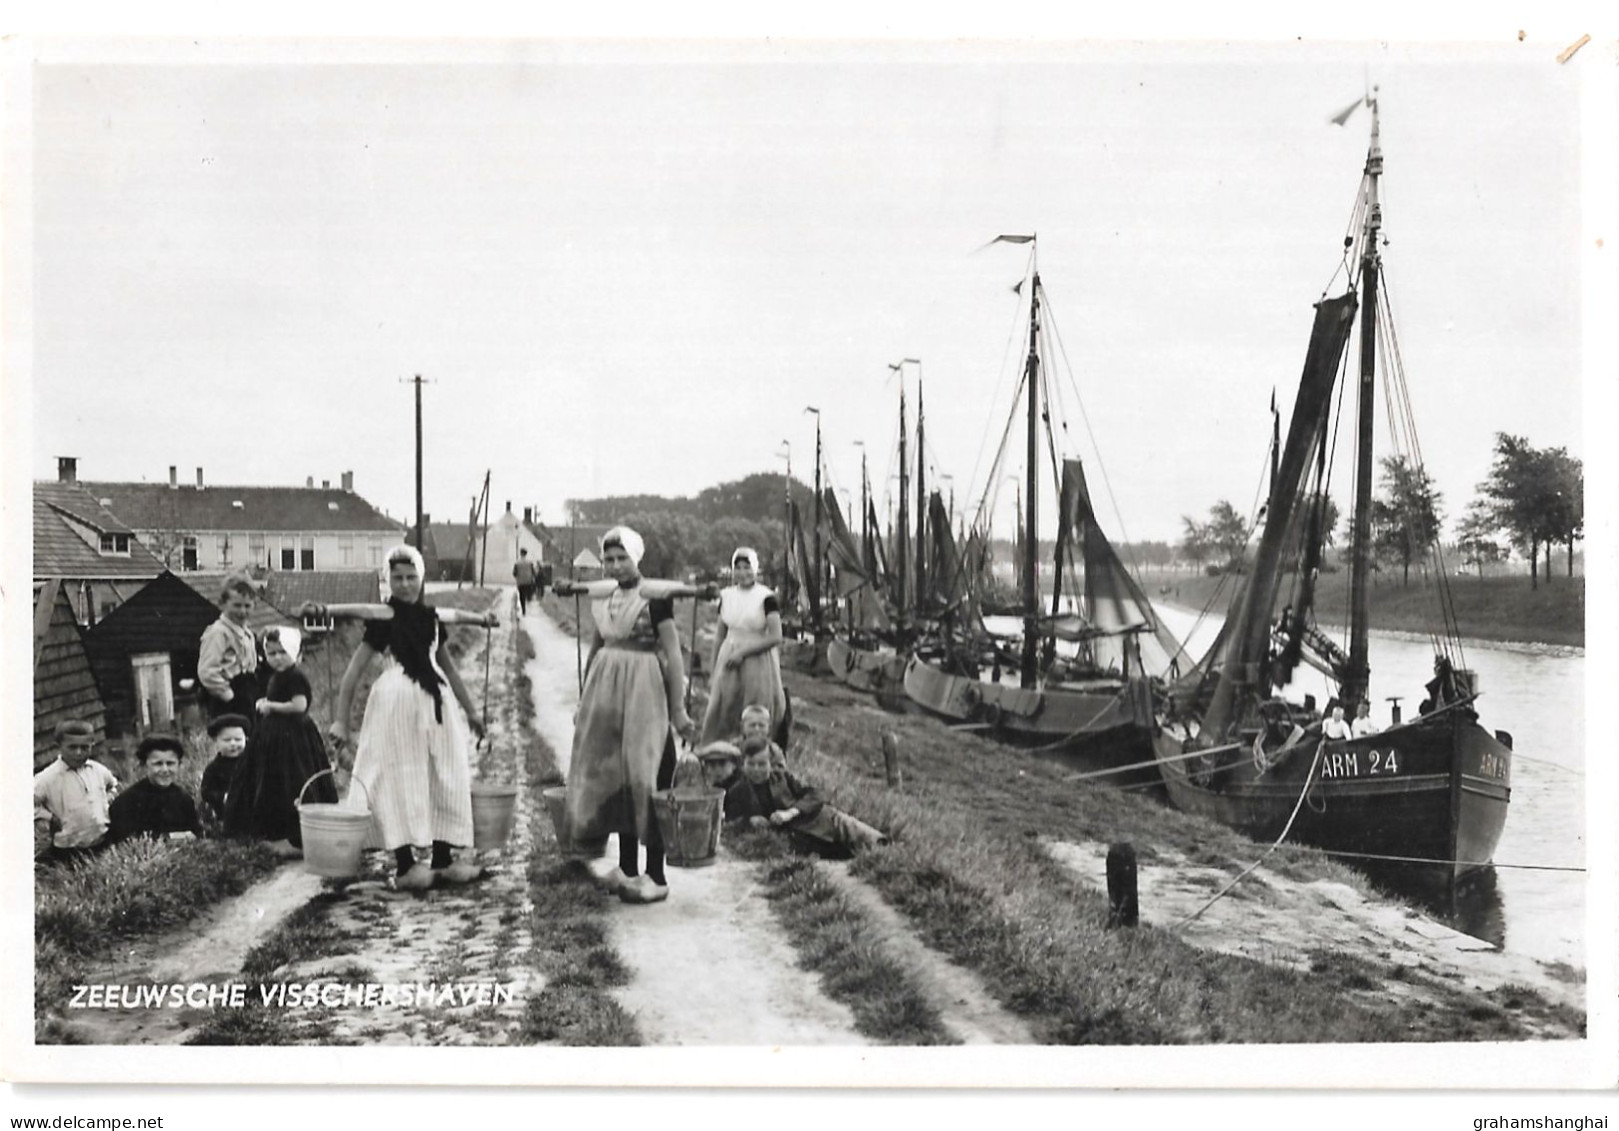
x=630 y=267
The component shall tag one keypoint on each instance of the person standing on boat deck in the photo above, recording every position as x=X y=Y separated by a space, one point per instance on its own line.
x=1363 y=720
x=1336 y=726
x=412 y=759
x=747 y=654
x=634 y=689
x=227 y=659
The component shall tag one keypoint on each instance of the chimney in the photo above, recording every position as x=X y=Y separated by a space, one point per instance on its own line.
x=325 y=484
x=528 y=515
x=67 y=469
x=508 y=506
x=174 y=477
x=348 y=482
x=199 y=478
x=309 y=481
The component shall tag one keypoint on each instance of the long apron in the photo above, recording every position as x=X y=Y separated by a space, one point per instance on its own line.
x=621 y=728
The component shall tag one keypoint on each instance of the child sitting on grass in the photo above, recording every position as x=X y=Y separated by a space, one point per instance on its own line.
x=766 y=798
x=756 y=724
x=155 y=806
x=229 y=736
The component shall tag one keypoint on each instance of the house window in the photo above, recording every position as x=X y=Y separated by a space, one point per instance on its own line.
x=376 y=552
x=345 y=549
x=255 y=550
x=115 y=544
x=188 y=553
x=306 y=557
x=289 y=552
x=224 y=551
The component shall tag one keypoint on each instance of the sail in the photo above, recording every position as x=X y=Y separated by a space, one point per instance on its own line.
x=1249 y=636
x=851 y=582
x=801 y=569
x=948 y=580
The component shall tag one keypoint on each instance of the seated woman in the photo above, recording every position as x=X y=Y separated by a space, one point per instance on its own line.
x=767 y=798
x=155 y=806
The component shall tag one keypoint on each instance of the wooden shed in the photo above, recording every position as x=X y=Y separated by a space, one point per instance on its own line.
x=65 y=685
x=141 y=650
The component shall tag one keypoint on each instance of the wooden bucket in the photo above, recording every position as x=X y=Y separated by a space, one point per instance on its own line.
x=494 y=812
x=689 y=819
x=333 y=834
x=556 y=804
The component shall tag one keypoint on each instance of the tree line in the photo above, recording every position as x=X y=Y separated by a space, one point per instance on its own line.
x=1532 y=500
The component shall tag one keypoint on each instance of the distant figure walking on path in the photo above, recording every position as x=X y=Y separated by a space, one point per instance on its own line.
x=412 y=759
x=747 y=653
x=227 y=660
x=285 y=751
x=526 y=573
x=634 y=688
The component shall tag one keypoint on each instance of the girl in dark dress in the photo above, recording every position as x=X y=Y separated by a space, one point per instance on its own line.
x=155 y=806
x=284 y=751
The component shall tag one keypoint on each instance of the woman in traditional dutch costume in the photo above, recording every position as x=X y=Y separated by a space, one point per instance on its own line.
x=412 y=759
x=747 y=654
x=622 y=752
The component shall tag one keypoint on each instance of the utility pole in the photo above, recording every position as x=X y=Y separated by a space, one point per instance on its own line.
x=418 y=382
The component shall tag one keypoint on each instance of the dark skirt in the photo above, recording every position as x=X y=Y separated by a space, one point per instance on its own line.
x=284 y=752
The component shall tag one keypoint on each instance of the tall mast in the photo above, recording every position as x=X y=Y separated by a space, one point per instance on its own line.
x=902 y=552
x=866 y=557
x=1031 y=522
x=921 y=499
x=815 y=590
x=1357 y=677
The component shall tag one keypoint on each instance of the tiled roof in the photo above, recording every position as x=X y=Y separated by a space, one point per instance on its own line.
x=157 y=506
x=59 y=550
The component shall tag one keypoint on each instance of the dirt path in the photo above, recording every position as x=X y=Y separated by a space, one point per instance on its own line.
x=207 y=951
x=713 y=930
x=1276 y=920
x=965 y=1006
x=471 y=935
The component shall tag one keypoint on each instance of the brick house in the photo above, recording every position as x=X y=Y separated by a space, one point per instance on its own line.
x=194 y=527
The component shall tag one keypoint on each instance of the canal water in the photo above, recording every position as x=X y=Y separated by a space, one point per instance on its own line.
x=1528 y=903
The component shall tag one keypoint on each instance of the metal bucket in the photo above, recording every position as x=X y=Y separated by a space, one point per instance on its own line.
x=556 y=804
x=689 y=819
x=494 y=812
x=333 y=834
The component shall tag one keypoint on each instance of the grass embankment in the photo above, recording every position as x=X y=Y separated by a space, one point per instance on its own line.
x=1487 y=608
x=831 y=936
x=968 y=869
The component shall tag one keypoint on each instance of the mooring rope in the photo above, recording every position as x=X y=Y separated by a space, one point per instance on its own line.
x=1297 y=805
x=1432 y=860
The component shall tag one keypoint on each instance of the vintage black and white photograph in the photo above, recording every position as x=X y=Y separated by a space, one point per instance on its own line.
x=899 y=560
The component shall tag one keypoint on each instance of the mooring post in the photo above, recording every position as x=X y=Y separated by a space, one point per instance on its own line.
x=1123 y=907
x=891 y=758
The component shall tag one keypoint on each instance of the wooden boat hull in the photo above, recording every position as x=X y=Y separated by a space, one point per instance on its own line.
x=1096 y=727
x=804 y=655
x=1434 y=792
x=864 y=669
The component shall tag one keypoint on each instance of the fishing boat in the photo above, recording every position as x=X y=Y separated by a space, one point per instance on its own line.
x=1430 y=791
x=882 y=608
x=1082 y=680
